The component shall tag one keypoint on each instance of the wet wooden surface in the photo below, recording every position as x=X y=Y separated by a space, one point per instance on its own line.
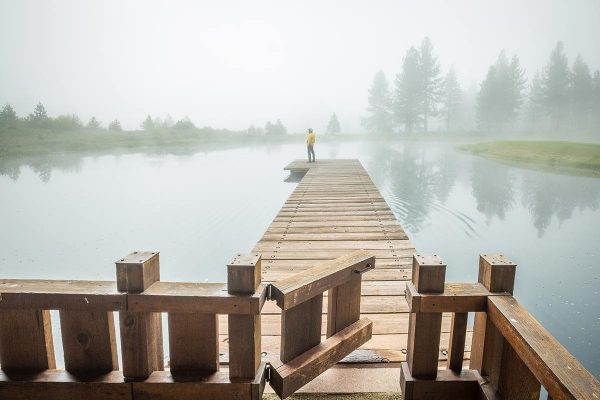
x=335 y=209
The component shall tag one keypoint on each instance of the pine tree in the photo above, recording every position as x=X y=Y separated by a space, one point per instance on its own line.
x=596 y=100
x=8 y=117
x=535 y=106
x=379 y=120
x=450 y=99
x=429 y=67
x=93 y=123
x=408 y=96
x=582 y=92
x=39 y=116
x=333 y=127
x=556 y=85
x=148 y=124
x=115 y=126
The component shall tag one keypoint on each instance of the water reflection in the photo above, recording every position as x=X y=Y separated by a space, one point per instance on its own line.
x=493 y=187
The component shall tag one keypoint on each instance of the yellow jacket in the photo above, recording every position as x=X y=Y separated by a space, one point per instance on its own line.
x=310 y=139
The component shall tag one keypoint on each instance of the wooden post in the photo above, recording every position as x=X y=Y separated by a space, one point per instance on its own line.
x=428 y=276
x=456 y=348
x=193 y=343
x=141 y=332
x=243 y=278
x=301 y=328
x=497 y=274
x=26 y=340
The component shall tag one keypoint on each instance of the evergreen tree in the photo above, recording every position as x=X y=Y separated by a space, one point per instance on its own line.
x=67 y=122
x=408 y=96
x=582 y=92
x=429 y=68
x=168 y=122
x=280 y=127
x=115 y=126
x=450 y=99
x=596 y=100
x=379 y=120
x=501 y=94
x=276 y=129
x=39 y=117
x=93 y=123
x=184 y=124
x=333 y=127
x=535 y=106
x=148 y=124
x=556 y=85
x=8 y=117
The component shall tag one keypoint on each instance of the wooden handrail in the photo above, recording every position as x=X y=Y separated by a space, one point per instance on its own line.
x=554 y=367
x=512 y=354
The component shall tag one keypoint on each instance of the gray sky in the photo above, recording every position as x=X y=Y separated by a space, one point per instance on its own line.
x=230 y=64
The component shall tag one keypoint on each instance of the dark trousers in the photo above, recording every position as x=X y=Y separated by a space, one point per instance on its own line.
x=311 y=150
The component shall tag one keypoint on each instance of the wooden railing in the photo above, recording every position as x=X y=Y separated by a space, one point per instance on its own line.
x=88 y=332
x=88 y=335
x=512 y=355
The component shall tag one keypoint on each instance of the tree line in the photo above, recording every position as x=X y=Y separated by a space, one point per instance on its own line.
x=557 y=97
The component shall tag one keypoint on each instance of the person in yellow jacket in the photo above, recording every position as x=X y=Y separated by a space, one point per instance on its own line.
x=310 y=145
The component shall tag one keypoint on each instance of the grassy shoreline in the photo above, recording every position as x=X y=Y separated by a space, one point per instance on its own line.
x=569 y=158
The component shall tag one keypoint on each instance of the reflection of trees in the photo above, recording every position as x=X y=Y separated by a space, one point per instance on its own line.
x=492 y=186
x=415 y=181
x=42 y=165
x=547 y=195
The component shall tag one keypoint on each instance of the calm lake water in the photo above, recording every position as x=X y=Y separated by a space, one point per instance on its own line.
x=71 y=217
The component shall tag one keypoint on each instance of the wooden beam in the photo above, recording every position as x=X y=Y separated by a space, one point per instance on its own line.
x=448 y=385
x=516 y=380
x=289 y=377
x=424 y=329
x=88 y=339
x=162 y=385
x=457 y=297
x=243 y=278
x=292 y=291
x=201 y=298
x=137 y=271
x=60 y=295
x=26 y=340
x=558 y=371
x=61 y=385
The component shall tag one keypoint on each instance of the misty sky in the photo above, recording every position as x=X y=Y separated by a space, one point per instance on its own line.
x=229 y=64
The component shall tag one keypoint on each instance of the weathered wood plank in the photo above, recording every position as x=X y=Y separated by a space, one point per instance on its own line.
x=301 y=327
x=193 y=343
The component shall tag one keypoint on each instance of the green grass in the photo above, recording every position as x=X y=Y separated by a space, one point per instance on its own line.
x=570 y=158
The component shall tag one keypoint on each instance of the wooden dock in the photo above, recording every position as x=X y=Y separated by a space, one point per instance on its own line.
x=336 y=209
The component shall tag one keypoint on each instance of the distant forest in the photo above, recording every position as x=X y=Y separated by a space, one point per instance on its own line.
x=558 y=98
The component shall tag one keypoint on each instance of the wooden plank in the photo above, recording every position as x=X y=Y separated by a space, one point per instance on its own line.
x=26 y=340
x=343 y=305
x=516 y=380
x=200 y=298
x=162 y=385
x=558 y=371
x=291 y=376
x=456 y=348
x=457 y=297
x=244 y=274
x=307 y=284
x=193 y=343
x=301 y=328
x=88 y=339
x=60 y=295
x=61 y=385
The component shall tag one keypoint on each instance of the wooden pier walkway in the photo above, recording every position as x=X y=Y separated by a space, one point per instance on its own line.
x=336 y=209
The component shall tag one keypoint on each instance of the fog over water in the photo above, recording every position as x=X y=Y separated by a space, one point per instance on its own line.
x=235 y=63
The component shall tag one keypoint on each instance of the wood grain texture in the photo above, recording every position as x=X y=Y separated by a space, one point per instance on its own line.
x=26 y=340
x=343 y=305
x=558 y=371
x=456 y=347
x=88 y=339
x=301 y=328
x=193 y=343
